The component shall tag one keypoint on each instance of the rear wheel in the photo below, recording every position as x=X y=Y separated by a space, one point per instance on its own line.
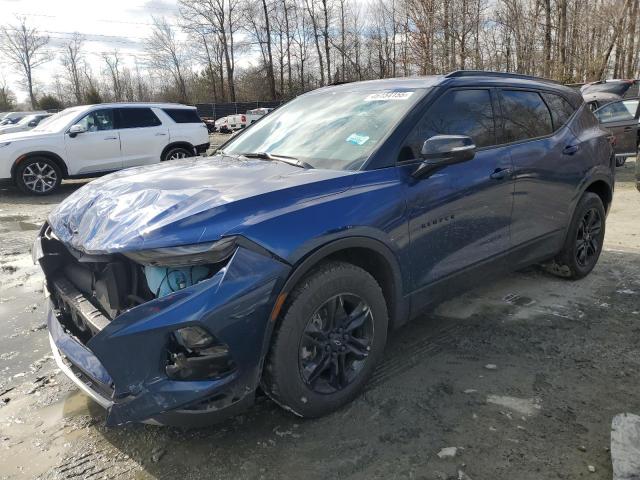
x=332 y=334
x=177 y=153
x=38 y=176
x=584 y=240
x=620 y=161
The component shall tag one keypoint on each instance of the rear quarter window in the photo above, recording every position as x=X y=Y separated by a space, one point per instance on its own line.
x=183 y=115
x=561 y=109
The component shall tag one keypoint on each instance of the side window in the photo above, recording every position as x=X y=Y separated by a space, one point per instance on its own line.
x=613 y=112
x=183 y=115
x=137 y=118
x=631 y=105
x=561 y=110
x=525 y=115
x=457 y=112
x=97 y=121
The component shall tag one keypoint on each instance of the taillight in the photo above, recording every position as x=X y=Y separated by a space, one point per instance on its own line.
x=243 y=118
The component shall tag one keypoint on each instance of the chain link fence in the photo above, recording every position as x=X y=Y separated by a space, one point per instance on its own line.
x=219 y=110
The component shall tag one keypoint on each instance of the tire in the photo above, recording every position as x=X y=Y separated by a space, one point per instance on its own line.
x=177 y=153
x=38 y=176
x=584 y=240
x=620 y=161
x=301 y=341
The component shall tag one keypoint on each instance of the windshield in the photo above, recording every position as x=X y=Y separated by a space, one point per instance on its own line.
x=330 y=129
x=59 y=121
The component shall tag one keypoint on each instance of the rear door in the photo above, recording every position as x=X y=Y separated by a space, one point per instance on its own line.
x=142 y=135
x=621 y=119
x=97 y=149
x=548 y=165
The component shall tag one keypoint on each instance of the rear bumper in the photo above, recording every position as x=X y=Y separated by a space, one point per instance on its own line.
x=200 y=149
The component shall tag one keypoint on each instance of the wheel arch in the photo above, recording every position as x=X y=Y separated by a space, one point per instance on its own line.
x=47 y=154
x=367 y=253
x=601 y=188
x=178 y=144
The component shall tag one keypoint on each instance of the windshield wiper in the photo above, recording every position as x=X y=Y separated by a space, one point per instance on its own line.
x=280 y=158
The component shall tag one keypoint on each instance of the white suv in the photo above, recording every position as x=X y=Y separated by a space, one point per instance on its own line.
x=88 y=141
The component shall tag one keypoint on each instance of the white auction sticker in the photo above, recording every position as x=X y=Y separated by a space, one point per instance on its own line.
x=374 y=97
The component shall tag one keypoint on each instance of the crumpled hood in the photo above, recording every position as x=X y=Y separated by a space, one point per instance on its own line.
x=184 y=202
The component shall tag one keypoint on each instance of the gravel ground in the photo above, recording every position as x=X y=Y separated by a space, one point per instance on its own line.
x=518 y=379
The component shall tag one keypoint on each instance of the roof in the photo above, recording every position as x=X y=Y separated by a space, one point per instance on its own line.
x=459 y=77
x=137 y=104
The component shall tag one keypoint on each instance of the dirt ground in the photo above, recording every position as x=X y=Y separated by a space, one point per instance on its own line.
x=522 y=376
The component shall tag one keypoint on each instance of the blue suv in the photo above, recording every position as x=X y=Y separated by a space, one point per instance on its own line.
x=281 y=263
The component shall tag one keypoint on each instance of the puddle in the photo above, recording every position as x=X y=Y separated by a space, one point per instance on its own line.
x=17 y=223
x=19 y=226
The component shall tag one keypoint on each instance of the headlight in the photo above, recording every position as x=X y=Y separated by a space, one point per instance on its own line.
x=186 y=255
x=4 y=144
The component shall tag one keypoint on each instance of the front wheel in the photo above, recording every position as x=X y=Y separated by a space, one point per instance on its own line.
x=585 y=237
x=332 y=334
x=38 y=176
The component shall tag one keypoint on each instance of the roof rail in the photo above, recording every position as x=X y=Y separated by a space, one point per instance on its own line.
x=482 y=73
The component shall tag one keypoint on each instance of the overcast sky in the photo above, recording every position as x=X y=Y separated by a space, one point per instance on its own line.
x=107 y=25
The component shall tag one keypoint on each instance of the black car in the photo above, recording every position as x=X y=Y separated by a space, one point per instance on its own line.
x=621 y=119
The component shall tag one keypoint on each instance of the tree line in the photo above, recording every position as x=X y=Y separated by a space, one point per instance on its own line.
x=239 y=50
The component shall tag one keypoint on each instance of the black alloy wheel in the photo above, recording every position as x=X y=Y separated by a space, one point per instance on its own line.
x=584 y=239
x=588 y=237
x=336 y=343
x=328 y=340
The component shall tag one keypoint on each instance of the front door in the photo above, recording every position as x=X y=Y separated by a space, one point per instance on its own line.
x=97 y=149
x=621 y=118
x=460 y=216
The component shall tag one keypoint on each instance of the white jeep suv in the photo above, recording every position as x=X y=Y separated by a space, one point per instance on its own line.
x=92 y=140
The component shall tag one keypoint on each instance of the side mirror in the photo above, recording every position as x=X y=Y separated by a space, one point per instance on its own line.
x=76 y=129
x=33 y=123
x=442 y=150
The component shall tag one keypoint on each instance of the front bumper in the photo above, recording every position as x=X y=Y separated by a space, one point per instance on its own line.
x=123 y=366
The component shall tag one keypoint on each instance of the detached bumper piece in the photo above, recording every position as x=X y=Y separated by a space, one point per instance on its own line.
x=69 y=354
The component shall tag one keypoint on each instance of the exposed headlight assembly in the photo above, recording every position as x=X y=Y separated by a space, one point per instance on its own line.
x=186 y=255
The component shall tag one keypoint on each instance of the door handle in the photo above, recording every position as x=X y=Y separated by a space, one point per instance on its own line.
x=570 y=149
x=500 y=173
x=111 y=138
x=628 y=129
x=161 y=134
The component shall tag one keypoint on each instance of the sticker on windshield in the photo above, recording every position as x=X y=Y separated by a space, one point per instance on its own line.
x=374 y=97
x=357 y=139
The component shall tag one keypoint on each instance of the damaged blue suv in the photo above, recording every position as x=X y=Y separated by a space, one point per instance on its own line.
x=281 y=263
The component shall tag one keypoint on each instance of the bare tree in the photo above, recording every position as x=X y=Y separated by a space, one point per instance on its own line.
x=23 y=46
x=7 y=98
x=73 y=62
x=167 y=54
x=114 y=72
x=223 y=18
